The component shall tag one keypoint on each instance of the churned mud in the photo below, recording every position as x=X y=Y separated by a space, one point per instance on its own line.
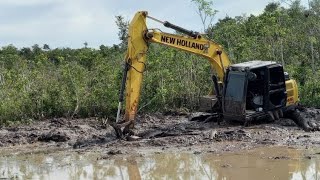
x=159 y=133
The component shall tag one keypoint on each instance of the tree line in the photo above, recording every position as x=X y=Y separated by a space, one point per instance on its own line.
x=40 y=82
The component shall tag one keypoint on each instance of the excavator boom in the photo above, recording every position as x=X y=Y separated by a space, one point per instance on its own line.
x=200 y=46
x=140 y=36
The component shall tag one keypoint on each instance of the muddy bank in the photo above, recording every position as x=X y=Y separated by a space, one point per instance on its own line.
x=159 y=133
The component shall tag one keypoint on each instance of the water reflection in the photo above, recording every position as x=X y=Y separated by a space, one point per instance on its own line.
x=271 y=163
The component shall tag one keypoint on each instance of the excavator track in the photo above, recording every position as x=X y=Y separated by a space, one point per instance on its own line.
x=307 y=124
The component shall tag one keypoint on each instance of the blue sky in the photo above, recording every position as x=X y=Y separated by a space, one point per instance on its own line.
x=70 y=23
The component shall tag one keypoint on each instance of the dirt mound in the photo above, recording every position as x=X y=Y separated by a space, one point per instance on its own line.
x=68 y=131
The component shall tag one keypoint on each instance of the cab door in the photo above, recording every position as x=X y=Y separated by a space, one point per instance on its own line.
x=234 y=99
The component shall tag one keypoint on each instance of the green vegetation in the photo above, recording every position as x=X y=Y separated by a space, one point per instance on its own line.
x=37 y=83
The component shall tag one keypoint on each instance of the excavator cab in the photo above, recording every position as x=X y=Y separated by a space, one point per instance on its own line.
x=234 y=99
x=254 y=90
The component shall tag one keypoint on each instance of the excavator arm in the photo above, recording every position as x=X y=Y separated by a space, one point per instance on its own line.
x=139 y=38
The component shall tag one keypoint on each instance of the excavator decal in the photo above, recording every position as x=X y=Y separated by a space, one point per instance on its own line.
x=181 y=42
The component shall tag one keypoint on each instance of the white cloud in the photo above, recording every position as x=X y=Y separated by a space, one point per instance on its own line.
x=72 y=22
x=69 y=23
x=28 y=2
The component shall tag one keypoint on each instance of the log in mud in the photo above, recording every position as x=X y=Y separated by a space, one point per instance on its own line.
x=157 y=133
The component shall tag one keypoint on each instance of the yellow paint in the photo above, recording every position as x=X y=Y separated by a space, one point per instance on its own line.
x=292 y=92
x=137 y=47
x=209 y=50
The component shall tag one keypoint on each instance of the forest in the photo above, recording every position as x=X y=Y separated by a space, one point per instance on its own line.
x=39 y=82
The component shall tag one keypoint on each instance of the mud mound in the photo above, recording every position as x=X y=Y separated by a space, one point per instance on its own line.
x=159 y=133
x=68 y=131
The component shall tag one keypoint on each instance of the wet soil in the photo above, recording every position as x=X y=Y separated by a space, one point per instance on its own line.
x=159 y=133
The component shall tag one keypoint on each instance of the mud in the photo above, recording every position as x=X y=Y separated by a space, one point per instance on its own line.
x=159 y=133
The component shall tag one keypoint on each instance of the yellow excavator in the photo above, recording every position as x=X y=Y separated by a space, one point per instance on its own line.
x=243 y=92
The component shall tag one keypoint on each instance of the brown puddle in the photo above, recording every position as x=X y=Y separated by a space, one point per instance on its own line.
x=263 y=163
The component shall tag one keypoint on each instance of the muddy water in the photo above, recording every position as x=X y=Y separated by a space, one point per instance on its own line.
x=266 y=163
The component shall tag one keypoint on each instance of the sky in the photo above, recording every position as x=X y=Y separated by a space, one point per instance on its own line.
x=70 y=23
